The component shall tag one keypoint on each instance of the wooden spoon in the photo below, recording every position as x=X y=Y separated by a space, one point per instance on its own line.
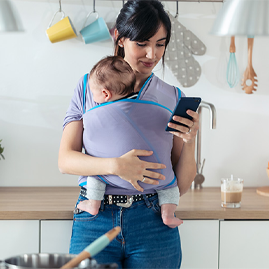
x=94 y=248
x=249 y=77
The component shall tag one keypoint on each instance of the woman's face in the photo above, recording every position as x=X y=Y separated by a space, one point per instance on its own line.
x=144 y=56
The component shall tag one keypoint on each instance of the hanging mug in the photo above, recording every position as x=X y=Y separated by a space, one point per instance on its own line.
x=62 y=30
x=95 y=31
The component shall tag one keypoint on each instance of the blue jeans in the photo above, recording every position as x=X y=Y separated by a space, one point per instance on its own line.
x=144 y=241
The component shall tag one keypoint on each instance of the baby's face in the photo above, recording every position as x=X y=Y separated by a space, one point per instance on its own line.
x=97 y=91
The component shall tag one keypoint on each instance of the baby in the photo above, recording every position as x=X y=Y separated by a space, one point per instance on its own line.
x=112 y=79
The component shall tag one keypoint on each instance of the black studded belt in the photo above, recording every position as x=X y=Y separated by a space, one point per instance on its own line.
x=120 y=200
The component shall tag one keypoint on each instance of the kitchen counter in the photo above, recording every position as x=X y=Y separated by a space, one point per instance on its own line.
x=41 y=203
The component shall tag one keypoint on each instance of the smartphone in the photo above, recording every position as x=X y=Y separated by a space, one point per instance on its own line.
x=182 y=106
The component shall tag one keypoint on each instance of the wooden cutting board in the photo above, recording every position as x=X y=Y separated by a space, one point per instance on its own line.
x=263 y=191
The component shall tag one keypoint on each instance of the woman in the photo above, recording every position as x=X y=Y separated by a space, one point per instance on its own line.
x=142 y=34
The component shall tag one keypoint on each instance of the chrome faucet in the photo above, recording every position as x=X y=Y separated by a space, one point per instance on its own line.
x=199 y=178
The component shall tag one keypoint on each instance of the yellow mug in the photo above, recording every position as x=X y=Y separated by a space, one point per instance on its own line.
x=62 y=30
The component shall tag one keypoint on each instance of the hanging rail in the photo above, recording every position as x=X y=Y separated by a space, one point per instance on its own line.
x=197 y=1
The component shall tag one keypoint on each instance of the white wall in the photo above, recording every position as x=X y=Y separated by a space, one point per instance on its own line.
x=37 y=80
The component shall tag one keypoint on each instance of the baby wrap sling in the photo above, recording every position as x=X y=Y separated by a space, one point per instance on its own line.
x=112 y=129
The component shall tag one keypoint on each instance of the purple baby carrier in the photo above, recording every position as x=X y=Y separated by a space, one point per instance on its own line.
x=114 y=128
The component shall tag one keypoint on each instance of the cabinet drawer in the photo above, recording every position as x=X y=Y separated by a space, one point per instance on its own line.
x=55 y=236
x=18 y=237
x=244 y=244
x=200 y=244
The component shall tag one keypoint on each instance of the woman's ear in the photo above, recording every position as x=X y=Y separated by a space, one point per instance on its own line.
x=116 y=35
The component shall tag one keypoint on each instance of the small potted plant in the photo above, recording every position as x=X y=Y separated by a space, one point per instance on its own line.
x=1 y=151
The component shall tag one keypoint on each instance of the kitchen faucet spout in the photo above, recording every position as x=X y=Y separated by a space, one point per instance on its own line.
x=199 y=178
x=212 y=111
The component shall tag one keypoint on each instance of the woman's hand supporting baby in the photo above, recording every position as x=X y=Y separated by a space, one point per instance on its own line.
x=132 y=169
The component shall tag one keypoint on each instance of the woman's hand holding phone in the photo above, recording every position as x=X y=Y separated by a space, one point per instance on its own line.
x=184 y=121
x=187 y=131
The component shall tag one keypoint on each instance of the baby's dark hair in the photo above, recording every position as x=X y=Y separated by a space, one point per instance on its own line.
x=114 y=74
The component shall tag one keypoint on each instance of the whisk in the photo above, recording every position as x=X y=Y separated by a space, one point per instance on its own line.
x=232 y=68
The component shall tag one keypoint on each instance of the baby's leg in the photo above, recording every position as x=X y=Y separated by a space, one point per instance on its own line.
x=168 y=215
x=168 y=200
x=90 y=206
x=95 y=194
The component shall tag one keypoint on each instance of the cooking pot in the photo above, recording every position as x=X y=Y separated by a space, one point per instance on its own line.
x=52 y=261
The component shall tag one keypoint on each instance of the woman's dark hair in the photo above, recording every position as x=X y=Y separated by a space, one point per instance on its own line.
x=139 y=20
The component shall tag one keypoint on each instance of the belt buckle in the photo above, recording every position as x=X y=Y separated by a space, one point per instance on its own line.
x=129 y=202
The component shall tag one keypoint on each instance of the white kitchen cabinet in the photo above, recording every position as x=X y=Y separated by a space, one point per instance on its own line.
x=200 y=244
x=55 y=236
x=244 y=244
x=18 y=237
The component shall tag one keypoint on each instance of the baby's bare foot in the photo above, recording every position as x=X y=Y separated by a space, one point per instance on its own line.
x=90 y=206
x=168 y=215
x=171 y=221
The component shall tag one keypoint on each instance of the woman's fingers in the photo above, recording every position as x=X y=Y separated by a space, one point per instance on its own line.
x=155 y=175
x=146 y=180
x=150 y=181
x=137 y=186
x=178 y=127
x=188 y=132
x=149 y=165
x=141 y=152
x=187 y=122
x=132 y=169
x=194 y=115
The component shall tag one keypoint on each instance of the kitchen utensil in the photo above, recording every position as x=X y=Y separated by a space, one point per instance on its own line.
x=250 y=77
x=264 y=190
x=232 y=68
x=94 y=248
x=44 y=260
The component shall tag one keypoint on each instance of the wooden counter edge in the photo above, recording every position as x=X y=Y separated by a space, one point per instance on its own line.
x=36 y=215
x=193 y=215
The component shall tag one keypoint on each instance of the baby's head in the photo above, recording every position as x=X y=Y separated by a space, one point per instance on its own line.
x=111 y=78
